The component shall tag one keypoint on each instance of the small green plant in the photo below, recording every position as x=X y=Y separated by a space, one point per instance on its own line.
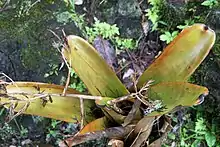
x=53 y=71
x=125 y=43
x=195 y=131
x=23 y=131
x=71 y=16
x=168 y=37
x=104 y=29
x=53 y=131
x=153 y=16
x=187 y=23
x=198 y=133
x=6 y=132
x=210 y=3
x=110 y=32
x=76 y=83
x=25 y=7
x=153 y=12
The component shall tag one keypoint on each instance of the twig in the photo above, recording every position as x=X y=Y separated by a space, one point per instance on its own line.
x=82 y=113
x=67 y=83
x=17 y=125
x=137 y=95
x=68 y=76
x=55 y=34
x=136 y=137
x=41 y=95
x=129 y=134
x=32 y=5
x=63 y=57
x=123 y=67
x=12 y=116
x=120 y=99
x=142 y=100
x=1 y=73
x=131 y=115
x=133 y=78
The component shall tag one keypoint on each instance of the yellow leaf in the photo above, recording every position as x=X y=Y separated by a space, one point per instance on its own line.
x=181 y=57
x=45 y=100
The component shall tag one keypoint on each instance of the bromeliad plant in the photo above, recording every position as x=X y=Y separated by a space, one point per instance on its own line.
x=129 y=115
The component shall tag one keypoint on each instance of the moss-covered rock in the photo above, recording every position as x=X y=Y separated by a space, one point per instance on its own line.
x=125 y=13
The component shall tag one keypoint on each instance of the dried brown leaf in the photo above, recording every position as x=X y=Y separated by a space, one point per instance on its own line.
x=113 y=133
x=133 y=113
x=116 y=143
x=141 y=131
x=165 y=129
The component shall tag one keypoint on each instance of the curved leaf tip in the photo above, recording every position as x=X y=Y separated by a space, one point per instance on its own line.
x=92 y=68
x=181 y=57
x=173 y=94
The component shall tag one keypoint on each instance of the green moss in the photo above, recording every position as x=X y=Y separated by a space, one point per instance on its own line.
x=32 y=57
x=170 y=17
x=28 y=25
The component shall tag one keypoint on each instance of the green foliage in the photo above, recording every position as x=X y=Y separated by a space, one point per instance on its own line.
x=71 y=16
x=64 y=17
x=210 y=139
x=110 y=32
x=23 y=131
x=104 y=29
x=210 y=3
x=168 y=37
x=76 y=83
x=70 y=3
x=187 y=23
x=166 y=18
x=196 y=132
x=7 y=132
x=53 y=132
x=54 y=70
x=153 y=13
x=125 y=43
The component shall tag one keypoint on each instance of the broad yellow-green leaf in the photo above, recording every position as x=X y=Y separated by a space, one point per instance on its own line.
x=92 y=69
x=181 y=57
x=173 y=94
x=94 y=72
x=44 y=100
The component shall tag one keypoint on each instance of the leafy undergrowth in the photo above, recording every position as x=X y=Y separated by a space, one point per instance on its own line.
x=35 y=130
x=193 y=128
